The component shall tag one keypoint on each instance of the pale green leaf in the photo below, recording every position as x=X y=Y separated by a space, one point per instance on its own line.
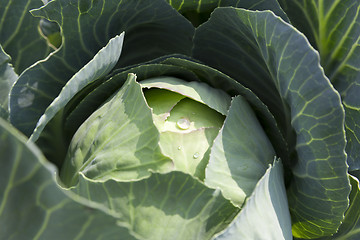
x=172 y=206
x=161 y=102
x=240 y=154
x=265 y=214
x=118 y=141
x=189 y=151
x=33 y=206
x=216 y=99
x=187 y=125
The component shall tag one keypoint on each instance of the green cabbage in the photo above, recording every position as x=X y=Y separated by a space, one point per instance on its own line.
x=154 y=119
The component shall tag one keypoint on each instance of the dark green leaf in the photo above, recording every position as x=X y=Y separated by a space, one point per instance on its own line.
x=33 y=206
x=350 y=228
x=198 y=11
x=333 y=27
x=152 y=29
x=260 y=5
x=49 y=133
x=274 y=60
x=19 y=34
x=102 y=63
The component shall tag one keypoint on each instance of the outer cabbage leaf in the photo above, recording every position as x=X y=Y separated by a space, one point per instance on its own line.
x=275 y=61
x=198 y=11
x=54 y=148
x=240 y=154
x=350 y=228
x=19 y=33
x=164 y=206
x=33 y=206
x=7 y=79
x=153 y=28
x=265 y=214
x=333 y=27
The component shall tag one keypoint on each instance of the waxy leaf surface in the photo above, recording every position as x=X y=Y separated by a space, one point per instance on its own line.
x=19 y=33
x=274 y=60
x=164 y=206
x=118 y=141
x=240 y=154
x=33 y=206
x=152 y=30
x=266 y=211
x=333 y=28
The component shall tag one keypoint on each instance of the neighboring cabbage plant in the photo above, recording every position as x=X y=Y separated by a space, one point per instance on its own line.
x=154 y=119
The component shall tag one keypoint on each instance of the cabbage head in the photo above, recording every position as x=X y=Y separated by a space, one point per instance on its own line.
x=158 y=119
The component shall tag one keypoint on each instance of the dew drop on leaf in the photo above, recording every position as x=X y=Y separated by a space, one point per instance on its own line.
x=179 y=147
x=183 y=123
x=196 y=155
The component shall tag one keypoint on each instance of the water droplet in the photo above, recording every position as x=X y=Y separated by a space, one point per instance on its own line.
x=196 y=155
x=27 y=96
x=179 y=147
x=183 y=123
